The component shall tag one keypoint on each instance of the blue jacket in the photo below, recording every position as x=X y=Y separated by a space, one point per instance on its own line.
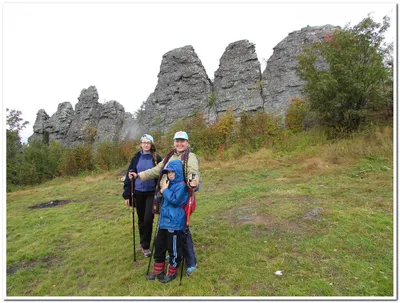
x=172 y=215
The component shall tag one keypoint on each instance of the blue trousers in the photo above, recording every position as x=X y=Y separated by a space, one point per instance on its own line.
x=188 y=250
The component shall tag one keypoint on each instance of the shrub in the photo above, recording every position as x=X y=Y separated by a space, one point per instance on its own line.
x=295 y=115
x=77 y=159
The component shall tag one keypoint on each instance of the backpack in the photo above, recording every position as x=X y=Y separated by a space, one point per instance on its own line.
x=193 y=206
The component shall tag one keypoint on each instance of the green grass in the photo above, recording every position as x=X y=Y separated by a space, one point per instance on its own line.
x=323 y=215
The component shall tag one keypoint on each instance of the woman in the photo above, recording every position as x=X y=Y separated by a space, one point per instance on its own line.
x=145 y=159
x=190 y=163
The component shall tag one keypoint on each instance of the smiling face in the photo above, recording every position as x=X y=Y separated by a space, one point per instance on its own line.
x=145 y=145
x=181 y=145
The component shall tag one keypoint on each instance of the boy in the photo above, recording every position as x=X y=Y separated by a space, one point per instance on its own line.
x=172 y=222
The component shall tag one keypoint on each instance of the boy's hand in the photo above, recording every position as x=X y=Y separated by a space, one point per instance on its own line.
x=164 y=185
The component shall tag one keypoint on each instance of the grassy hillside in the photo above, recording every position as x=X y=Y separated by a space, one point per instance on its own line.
x=321 y=213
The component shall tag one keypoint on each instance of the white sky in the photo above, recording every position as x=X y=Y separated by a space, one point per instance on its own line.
x=51 y=51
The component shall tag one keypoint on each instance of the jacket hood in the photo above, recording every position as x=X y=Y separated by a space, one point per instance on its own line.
x=177 y=167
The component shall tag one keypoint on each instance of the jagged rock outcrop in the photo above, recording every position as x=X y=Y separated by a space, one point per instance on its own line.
x=59 y=123
x=183 y=88
x=110 y=122
x=39 y=127
x=91 y=122
x=279 y=80
x=87 y=114
x=237 y=81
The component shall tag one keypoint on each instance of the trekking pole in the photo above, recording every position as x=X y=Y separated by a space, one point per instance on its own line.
x=183 y=255
x=133 y=217
x=154 y=242
x=186 y=230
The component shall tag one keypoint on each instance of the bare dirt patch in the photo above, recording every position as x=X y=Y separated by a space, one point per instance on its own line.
x=47 y=262
x=50 y=204
x=269 y=222
x=253 y=214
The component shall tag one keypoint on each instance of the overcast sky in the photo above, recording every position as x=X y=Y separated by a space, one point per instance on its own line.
x=51 y=51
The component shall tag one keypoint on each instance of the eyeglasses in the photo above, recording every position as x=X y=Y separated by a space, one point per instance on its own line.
x=146 y=143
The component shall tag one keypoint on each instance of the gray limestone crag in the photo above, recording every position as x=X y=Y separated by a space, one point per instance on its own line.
x=280 y=82
x=39 y=127
x=237 y=81
x=110 y=122
x=60 y=121
x=41 y=120
x=87 y=114
x=91 y=122
x=183 y=88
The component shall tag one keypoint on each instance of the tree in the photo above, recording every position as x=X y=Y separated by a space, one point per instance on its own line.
x=14 y=147
x=356 y=79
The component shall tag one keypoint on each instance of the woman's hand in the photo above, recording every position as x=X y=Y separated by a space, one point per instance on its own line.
x=193 y=183
x=132 y=175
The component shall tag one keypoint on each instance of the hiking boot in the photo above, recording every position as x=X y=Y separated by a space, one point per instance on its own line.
x=190 y=270
x=158 y=271
x=171 y=274
x=167 y=278
x=147 y=253
x=153 y=276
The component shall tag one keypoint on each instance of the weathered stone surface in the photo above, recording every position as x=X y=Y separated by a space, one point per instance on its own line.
x=60 y=121
x=280 y=82
x=183 y=88
x=41 y=120
x=237 y=82
x=39 y=127
x=110 y=122
x=83 y=127
x=92 y=122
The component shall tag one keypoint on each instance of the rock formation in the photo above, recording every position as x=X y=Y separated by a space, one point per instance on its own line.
x=91 y=122
x=110 y=122
x=39 y=127
x=279 y=80
x=237 y=81
x=183 y=88
x=59 y=123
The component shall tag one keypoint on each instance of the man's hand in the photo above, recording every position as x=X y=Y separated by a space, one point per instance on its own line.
x=127 y=202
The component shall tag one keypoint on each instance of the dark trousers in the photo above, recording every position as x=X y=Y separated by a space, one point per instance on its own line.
x=144 y=205
x=188 y=250
x=171 y=241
